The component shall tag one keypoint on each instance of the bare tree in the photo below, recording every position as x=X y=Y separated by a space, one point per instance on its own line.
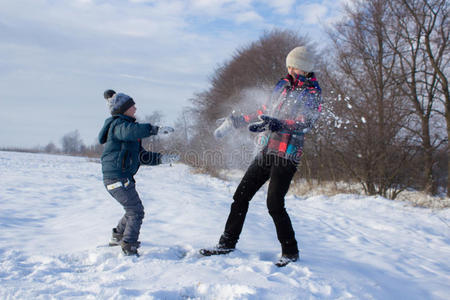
x=153 y=143
x=94 y=150
x=72 y=143
x=429 y=20
x=368 y=110
x=51 y=148
x=241 y=84
x=258 y=65
x=410 y=35
x=180 y=139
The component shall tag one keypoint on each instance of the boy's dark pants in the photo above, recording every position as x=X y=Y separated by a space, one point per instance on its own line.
x=130 y=224
x=280 y=171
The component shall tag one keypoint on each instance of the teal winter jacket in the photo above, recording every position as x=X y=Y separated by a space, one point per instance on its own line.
x=123 y=152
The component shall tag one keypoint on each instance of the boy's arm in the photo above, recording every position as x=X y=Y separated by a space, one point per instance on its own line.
x=133 y=131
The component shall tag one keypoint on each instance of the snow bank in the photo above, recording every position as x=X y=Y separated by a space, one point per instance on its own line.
x=56 y=219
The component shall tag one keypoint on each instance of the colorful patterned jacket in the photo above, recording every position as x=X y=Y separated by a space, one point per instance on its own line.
x=297 y=103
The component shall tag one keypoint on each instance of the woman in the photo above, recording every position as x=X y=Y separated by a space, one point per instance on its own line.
x=291 y=111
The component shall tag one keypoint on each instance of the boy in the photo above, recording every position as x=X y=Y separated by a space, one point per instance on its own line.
x=121 y=158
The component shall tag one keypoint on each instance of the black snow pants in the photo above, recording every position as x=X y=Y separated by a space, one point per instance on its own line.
x=124 y=191
x=280 y=171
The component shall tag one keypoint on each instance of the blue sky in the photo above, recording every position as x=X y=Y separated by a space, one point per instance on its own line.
x=58 y=56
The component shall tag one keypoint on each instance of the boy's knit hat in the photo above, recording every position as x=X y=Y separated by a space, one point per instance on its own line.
x=120 y=103
x=301 y=58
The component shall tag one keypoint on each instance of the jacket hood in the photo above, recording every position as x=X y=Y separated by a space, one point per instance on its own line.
x=103 y=135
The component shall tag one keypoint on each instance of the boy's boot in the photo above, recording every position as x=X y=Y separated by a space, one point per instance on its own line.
x=226 y=245
x=130 y=248
x=116 y=238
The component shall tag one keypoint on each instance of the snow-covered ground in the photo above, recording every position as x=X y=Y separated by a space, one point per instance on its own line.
x=55 y=216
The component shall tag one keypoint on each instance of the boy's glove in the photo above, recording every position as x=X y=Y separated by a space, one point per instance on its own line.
x=165 y=130
x=169 y=158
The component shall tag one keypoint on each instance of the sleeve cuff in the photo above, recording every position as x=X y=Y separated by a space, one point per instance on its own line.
x=154 y=130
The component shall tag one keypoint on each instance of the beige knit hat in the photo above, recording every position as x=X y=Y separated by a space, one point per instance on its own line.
x=300 y=58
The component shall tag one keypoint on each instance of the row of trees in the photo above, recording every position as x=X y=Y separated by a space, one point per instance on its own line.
x=390 y=60
x=386 y=117
x=71 y=143
x=387 y=109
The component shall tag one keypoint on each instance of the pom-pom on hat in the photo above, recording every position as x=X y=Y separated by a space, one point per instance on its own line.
x=120 y=103
x=108 y=94
x=301 y=58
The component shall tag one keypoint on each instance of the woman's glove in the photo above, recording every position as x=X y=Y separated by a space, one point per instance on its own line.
x=265 y=123
x=225 y=126
x=238 y=121
x=272 y=123
x=258 y=126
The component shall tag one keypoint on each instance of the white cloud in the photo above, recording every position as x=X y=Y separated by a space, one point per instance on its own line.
x=239 y=11
x=162 y=51
x=248 y=17
x=282 y=7
x=143 y=1
x=85 y=1
x=208 y=6
x=312 y=13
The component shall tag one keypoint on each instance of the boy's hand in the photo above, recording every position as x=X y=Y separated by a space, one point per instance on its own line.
x=165 y=130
